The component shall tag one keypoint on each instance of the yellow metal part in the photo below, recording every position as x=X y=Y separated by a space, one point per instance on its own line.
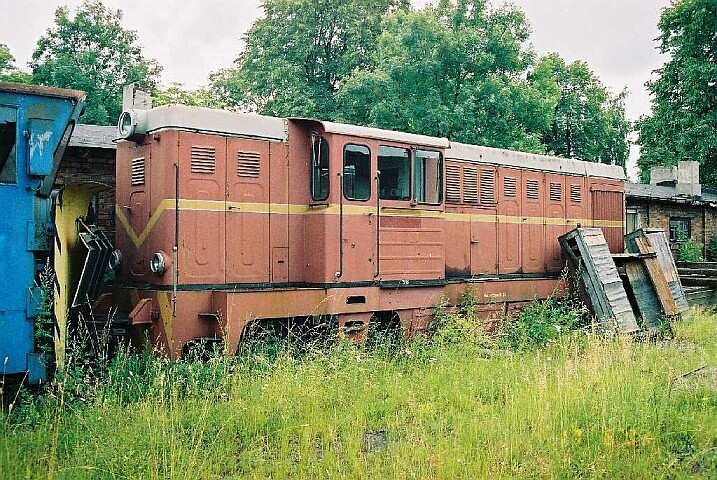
x=72 y=202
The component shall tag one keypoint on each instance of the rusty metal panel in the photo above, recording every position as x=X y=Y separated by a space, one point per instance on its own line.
x=555 y=216
x=509 y=223
x=202 y=177
x=532 y=222
x=483 y=241
x=247 y=216
x=134 y=183
x=590 y=258
x=608 y=212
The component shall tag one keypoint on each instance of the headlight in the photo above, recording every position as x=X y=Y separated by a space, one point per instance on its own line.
x=115 y=259
x=132 y=124
x=158 y=264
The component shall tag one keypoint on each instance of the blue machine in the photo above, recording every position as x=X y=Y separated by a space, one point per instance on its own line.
x=35 y=125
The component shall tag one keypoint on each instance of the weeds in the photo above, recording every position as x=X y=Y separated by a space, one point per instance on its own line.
x=565 y=404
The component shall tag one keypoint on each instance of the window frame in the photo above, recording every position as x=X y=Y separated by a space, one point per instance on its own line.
x=441 y=185
x=313 y=168
x=343 y=172
x=410 y=173
x=673 y=231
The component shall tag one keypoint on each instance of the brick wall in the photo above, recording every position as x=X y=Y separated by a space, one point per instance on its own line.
x=93 y=165
x=703 y=219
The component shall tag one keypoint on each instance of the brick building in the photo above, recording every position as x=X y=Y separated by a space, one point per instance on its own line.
x=674 y=201
x=90 y=157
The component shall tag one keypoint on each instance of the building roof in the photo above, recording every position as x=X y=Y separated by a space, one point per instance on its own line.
x=662 y=193
x=94 y=136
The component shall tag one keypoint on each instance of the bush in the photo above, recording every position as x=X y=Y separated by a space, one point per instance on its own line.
x=690 y=251
x=712 y=248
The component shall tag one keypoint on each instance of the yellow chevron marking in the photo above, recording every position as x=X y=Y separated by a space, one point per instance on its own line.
x=165 y=311
x=334 y=209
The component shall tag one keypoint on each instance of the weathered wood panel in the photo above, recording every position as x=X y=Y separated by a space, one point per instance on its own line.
x=589 y=255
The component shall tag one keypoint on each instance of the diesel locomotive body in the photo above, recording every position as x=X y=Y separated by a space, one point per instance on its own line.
x=228 y=219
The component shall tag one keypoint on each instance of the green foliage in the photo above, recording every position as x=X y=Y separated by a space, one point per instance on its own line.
x=44 y=331
x=542 y=322
x=91 y=51
x=589 y=122
x=8 y=71
x=296 y=56
x=683 y=121
x=690 y=251
x=611 y=408
x=712 y=249
x=456 y=70
x=175 y=93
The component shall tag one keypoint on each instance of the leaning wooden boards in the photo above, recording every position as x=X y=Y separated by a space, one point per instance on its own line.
x=589 y=255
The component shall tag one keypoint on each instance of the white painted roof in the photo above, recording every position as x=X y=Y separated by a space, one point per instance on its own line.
x=511 y=158
x=209 y=120
x=380 y=134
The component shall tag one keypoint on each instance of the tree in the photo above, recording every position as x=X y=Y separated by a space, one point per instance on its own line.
x=8 y=71
x=175 y=93
x=296 y=56
x=454 y=70
x=683 y=120
x=588 y=121
x=92 y=52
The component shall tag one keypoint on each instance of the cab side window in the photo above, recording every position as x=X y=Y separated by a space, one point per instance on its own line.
x=357 y=172
x=319 y=168
x=394 y=165
x=428 y=177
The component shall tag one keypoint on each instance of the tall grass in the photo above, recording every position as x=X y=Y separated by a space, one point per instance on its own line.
x=461 y=405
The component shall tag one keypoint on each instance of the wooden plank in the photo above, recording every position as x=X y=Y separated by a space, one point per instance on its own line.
x=589 y=254
x=645 y=297
x=659 y=242
x=658 y=278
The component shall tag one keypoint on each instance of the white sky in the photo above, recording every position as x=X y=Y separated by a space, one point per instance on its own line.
x=192 y=38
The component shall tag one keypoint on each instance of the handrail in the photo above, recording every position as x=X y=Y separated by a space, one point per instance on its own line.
x=378 y=224
x=341 y=226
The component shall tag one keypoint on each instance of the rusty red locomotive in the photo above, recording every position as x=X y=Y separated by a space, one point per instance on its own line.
x=228 y=219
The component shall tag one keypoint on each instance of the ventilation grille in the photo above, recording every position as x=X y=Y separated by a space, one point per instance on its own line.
x=556 y=192
x=138 y=171
x=248 y=164
x=532 y=189
x=487 y=187
x=575 y=193
x=204 y=159
x=510 y=187
x=453 y=184
x=470 y=185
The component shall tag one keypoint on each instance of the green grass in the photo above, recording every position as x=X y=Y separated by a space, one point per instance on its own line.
x=457 y=407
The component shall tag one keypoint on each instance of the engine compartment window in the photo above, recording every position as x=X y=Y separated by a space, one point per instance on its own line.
x=357 y=172
x=319 y=168
x=394 y=165
x=428 y=177
x=8 y=158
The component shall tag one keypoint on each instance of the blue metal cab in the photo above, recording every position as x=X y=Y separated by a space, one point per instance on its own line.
x=35 y=125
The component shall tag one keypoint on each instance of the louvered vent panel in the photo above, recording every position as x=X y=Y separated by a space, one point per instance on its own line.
x=532 y=189
x=470 y=185
x=556 y=192
x=453 y=184
x=248 y=164
x=487 y=187
x=510 y=187
x=575 y=193
x=137 y=171
x=204 y=159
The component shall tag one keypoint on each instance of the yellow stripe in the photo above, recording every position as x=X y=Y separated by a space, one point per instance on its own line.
x=334 y=209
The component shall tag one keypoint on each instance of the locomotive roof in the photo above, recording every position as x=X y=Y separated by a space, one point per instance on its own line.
x=41 y=90
x=379 y=134
x=511 y=158
x=209 y=120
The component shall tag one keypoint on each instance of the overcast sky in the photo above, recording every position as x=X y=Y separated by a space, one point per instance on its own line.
x=192 y=38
